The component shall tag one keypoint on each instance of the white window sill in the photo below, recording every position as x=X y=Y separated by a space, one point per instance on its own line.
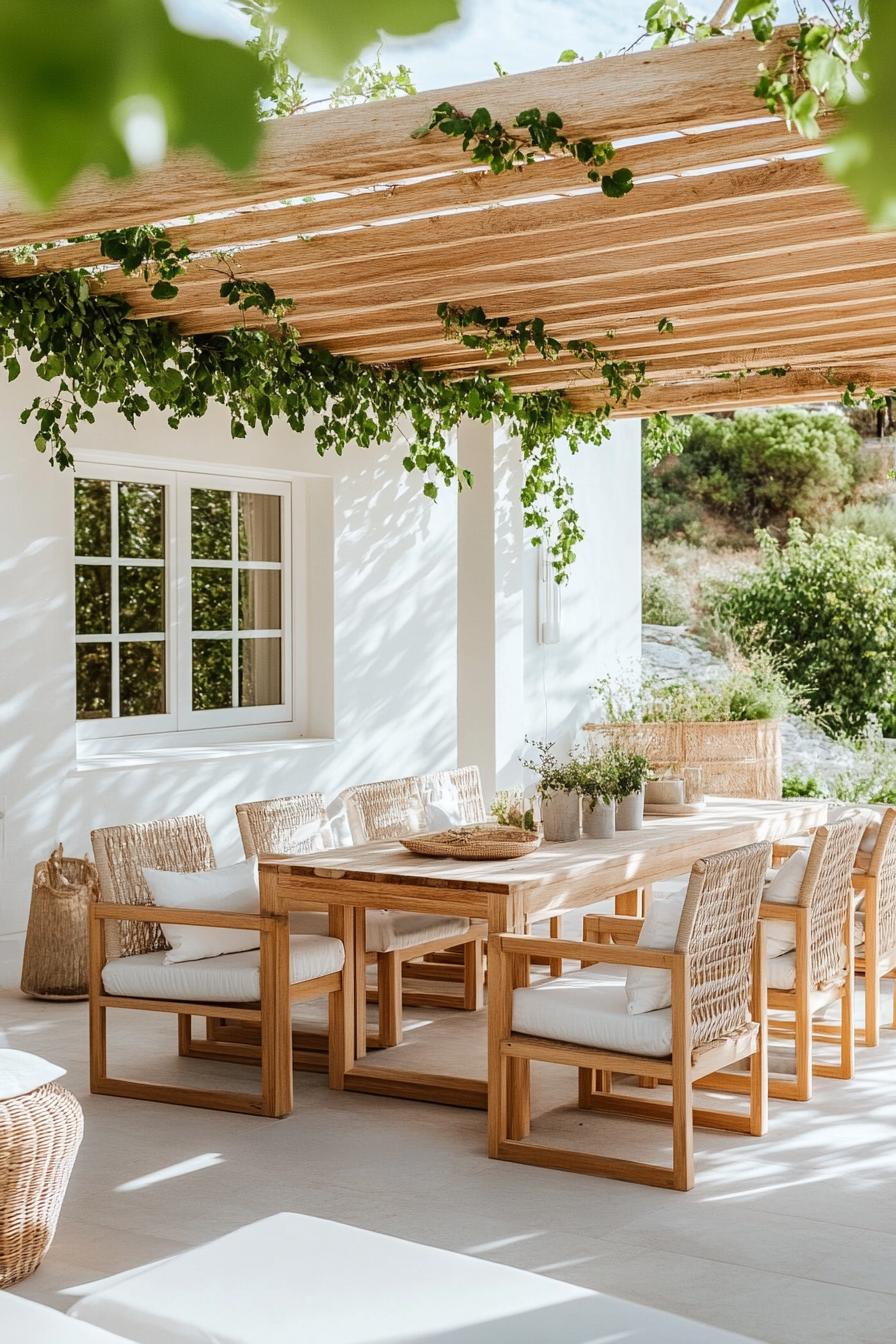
x=181 y=755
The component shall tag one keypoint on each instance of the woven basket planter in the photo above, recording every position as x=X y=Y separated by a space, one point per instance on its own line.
x=40 y=1134
x=54 y=965
x=738 y=760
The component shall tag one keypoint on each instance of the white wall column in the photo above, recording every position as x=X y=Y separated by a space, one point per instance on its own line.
x=491 y=608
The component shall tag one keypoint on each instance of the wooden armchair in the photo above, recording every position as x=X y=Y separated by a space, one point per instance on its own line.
x=874 y=881
x=284 y=826
x=253 y=988
x=716 y=1018
x=820 y=969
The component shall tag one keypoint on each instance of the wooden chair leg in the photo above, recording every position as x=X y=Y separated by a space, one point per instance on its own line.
x=586 y=1087
x=847 y=1028
x=803 y=1046
x=555 y=965
x=682 y=1128
x=872 y=979
x=388 y=994
x=519 y=1107
x=184 y=1033
x=474 y=975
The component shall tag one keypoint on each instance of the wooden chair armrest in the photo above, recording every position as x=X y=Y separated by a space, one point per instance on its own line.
x=216 y=919
x=529 y=945
x=777 y=910
x=625 y=927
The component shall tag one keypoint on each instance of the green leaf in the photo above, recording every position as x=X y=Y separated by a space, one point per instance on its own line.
x=567 y=57
x=805 y=114
x=864 y=154
x=66 y=69
x=163 y=289
x=323 y=39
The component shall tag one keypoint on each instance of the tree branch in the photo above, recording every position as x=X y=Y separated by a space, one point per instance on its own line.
x=722 y=14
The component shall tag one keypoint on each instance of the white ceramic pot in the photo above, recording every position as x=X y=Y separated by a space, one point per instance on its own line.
x=561 y=815
x=665 y=791
x=599 y=821
x=630 y=812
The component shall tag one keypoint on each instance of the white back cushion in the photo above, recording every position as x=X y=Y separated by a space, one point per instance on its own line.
x=647 y=987
x=783 y=887
x=871 y=817
x=232 y=890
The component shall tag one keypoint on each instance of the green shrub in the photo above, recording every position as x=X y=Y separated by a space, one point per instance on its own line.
x=661 y=604
x=757 y=468
x=825 y=607
x=803 y=786
x=873 y=518
x=755 y=690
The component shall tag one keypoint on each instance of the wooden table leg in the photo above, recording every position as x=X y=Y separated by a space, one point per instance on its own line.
x=505 y=915
x=360 y=923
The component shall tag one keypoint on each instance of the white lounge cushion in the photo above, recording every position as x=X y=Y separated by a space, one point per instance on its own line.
x=25 y=1322
x=297 y=1280
x=387 y=930
x=782 y=887
x=232 y=890
x=649 y=987
x=590 y=1008
x=21 y=1073
x=227 y=979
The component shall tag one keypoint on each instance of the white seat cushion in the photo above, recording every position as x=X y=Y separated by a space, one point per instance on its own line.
x=21 y=1073
x=393 y=930
x=230 y=979
x=25 y=1322
x=782 y=975
x=387 y=930
x=292 y=1279
x=590 y=1008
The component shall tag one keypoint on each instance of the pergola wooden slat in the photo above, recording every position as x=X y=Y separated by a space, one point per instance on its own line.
x=733 y=231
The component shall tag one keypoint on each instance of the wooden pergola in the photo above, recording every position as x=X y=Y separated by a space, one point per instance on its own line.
x=733 y=232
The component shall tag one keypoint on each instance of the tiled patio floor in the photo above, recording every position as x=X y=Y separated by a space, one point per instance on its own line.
x=790 y=1238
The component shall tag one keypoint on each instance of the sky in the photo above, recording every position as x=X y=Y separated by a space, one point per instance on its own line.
x=519 y=34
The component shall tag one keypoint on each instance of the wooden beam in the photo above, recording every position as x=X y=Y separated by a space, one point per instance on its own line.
x=659 y=215
x=463 y=189
x=801 y=385
x=641 y=93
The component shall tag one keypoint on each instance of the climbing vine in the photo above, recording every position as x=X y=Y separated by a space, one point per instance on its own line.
x=500 y=149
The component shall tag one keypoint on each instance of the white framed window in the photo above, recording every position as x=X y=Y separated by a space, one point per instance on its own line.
x=182 y=601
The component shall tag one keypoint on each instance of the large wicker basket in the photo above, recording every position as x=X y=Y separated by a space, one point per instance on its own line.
x=54 y=965
x=738 y=760
x=40 y=1133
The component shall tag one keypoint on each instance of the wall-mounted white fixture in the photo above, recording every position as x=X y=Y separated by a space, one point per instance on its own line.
x=548 y=600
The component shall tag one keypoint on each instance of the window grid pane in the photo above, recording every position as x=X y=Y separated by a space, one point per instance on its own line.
x=117 y=676
x=236 y=608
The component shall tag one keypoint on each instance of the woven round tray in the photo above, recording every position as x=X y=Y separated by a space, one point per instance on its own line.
x=474 y=842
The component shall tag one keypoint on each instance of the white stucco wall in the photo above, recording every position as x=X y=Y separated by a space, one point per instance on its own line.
x=386 y=585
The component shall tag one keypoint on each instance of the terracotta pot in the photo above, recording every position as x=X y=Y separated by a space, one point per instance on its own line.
x=630 y=812
x=561 y=815
x=599 y=821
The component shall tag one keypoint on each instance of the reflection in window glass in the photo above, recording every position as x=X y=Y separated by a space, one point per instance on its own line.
x=212 y=599
x=259 y=526
x=212 y=673
x=210 y=524
x=260 y=679
x=141 y=599
x=93 y=679
x=141 y=677
x=259 y=599
x=140 y=521
x=93 y=599
x=93 y=518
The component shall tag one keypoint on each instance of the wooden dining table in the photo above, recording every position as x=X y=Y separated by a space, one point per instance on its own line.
x=506 y=895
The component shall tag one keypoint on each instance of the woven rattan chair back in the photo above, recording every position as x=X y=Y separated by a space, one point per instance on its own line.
x=463 y=784
x=882 y=866
x=386 y=810
x=827 y=891
x=177 y=845
x=717 y=931
x=293 y=825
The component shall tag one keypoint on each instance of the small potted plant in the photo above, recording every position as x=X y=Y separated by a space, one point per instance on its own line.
x=557 y=788
x=511 y=808
x=596 y=784
x=630 y=772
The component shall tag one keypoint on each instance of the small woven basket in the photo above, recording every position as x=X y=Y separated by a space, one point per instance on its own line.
x=40 y=1134
x=474 y=842
x=54 y=965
